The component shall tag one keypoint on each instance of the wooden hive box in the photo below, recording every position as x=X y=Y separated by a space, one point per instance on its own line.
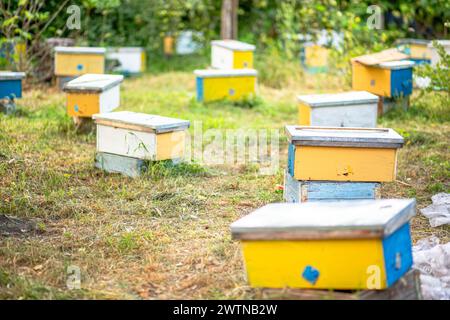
x=76 y=61
x=346 y=109
x=416 y=49
x=343 y=154
x=302 y=191
x=11 y=84
x=132 y=59
x=141 y=136
x=434 y=53
x=387 y=79
x=231 y=54
x=314 y=58
x=233 y=84
x=345 y=245
x=93 y=93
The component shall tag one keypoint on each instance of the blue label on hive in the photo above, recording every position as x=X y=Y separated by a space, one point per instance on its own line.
x=310 y=274
x=372 y=82
x=75 y=108
x=80 y=67
x=231 y=92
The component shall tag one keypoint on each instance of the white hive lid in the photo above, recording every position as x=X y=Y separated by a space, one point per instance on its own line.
x=219 y=73
x=9 y=75
x=126 y=49
x=233 y=45
x=407 y=41
x=396 y=65
x=141 y=121
x=93 y=83
x=325 y=220
x=344 y=137
x=80 y=50
x=338 y=99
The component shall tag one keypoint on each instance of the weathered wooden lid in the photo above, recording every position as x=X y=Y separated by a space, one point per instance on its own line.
x=9 y=75
x=80 y=50
x=338 y=99
x=140 y=121
x=325 y=220
x=93 y=83
x=233 y=45
x=396 y=65
x=344 y=137
x=220 y=73
x=125 y=50
x=407 y=41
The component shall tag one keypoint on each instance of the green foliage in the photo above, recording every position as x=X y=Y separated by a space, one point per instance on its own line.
x=439 y=74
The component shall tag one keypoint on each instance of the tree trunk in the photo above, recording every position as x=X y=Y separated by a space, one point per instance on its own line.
x=229 y=19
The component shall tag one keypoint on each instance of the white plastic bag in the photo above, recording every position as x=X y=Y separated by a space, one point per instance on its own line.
x=439 y=211
x=432 y=259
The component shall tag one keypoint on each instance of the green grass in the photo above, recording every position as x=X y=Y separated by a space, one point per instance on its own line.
x=166 y=234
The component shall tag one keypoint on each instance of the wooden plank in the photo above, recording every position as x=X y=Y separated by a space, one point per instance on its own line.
x=407 y=288
x=383 y=56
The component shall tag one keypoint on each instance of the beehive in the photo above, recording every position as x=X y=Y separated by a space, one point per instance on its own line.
x=303 y=191
x=233 y=84
x=75 y=61
x=416 y=49
x=343 y=154
x=434 y=53
x=347 y=109
x=93 y=93
x=231 y=54
x=348 y=245
x=132 y=59
x=141 y=136
x=11 y=84
x=387 y=79
x=314 y=58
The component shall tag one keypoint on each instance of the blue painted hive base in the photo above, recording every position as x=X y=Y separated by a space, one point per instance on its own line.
x=114 y=163
x=302 y=191
x=61 y=81
x=385 y=104
x=406 y=288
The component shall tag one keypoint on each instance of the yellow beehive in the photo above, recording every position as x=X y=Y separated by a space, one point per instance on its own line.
x=75 y=61
x=233 y=84
x=416 y=49
x=231 y=54
x=347 y=245
x=343 y=154
x=316 y=58
x=93 y=93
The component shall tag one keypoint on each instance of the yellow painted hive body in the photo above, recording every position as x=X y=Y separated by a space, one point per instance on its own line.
x=344 y=245
x=225 y=84
x=316 y=56
x=343 y=154
x=373 y=79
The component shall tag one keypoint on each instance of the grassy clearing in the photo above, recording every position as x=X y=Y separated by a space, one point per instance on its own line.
x=166 y=234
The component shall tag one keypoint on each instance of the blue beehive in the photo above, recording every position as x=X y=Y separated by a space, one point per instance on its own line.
x=11 y=84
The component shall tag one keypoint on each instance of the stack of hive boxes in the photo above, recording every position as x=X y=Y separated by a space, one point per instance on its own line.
x=71 y=62
x=127 y=141
x=232 y=76
x=326 y=163
x=10 y=89
x=386 y=74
